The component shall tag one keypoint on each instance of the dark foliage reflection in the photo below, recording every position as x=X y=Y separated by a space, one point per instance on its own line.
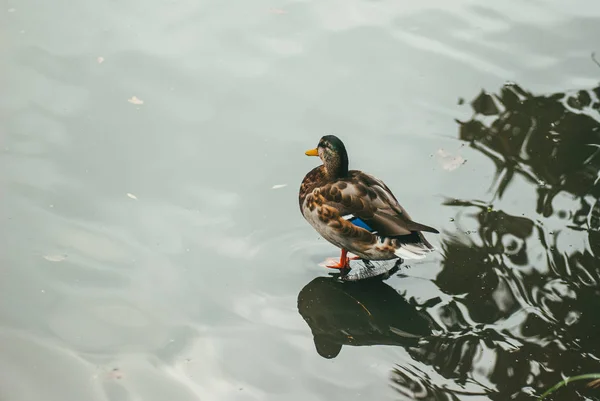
x=524 y=301
x=552 y=141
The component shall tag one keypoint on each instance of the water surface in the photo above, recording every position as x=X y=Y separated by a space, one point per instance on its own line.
x=147 y=256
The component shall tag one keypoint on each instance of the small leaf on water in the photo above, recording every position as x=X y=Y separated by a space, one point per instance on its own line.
x=55 y=258
x=135 y=100
x=448 y=161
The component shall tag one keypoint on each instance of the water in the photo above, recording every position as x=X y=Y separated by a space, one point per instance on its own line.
x=147 y=256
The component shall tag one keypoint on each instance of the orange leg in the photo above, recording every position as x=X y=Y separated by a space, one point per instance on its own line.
x=344 y=262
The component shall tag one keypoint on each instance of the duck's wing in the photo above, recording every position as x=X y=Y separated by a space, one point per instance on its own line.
x=364 y=197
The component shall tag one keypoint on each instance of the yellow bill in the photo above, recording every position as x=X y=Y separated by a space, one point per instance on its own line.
x=312 y=152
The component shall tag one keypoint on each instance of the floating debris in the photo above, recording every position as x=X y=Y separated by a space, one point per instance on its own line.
x=594 y=384
x=448 y=161
x=55 y=258
x=116 y=373
x=135 y=100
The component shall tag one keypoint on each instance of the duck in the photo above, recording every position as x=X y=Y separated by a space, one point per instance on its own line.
x=356 y=211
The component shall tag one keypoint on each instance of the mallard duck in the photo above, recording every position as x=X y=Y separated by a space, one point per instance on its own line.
x=356 y=211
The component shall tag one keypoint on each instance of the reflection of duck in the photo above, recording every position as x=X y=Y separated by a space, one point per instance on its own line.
x=356 y=211
x=361 y=313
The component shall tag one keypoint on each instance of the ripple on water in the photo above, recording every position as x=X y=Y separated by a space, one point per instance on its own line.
x=33 y=368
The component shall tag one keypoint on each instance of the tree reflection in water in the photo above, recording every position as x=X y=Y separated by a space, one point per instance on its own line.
x=524 y=300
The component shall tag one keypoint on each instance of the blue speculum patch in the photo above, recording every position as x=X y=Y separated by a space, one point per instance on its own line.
x=358 y=222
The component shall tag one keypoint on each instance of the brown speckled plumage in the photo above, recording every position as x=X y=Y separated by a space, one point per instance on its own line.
x=331 y=191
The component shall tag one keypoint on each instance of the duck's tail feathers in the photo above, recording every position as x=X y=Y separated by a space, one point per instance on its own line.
x=412 y=251
x=408 y=249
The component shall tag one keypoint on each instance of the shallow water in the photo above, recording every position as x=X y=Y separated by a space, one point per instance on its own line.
x=155 y=250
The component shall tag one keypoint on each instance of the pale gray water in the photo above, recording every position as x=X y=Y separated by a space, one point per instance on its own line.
x=189 y=285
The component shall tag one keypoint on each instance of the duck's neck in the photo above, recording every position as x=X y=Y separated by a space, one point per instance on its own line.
x=336 y=166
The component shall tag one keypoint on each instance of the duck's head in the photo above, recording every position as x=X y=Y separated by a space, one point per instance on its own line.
x=332 y=152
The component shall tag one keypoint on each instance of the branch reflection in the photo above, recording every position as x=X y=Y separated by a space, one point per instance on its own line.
x=552 y=141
